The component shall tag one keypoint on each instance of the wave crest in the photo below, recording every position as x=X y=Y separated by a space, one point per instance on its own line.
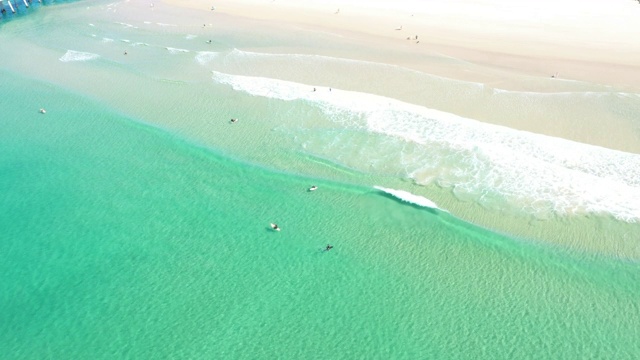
x=72 y=55
x=496 y=166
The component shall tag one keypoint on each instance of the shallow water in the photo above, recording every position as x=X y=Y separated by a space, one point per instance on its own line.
x=135 y=217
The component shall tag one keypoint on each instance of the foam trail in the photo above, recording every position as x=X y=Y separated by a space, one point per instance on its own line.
x=204 y=57
x=496 y=166
x=176 y=50
x=72 y=55
x=410 y=198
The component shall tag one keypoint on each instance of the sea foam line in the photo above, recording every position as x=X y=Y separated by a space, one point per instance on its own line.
x=483 y=162
x=313 y=60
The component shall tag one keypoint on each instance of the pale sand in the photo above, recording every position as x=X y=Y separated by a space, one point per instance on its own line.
x=582 y=41
x=588 y=40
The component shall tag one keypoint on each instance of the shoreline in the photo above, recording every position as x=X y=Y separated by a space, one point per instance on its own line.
x=514 y=63
x=605 y=58
x=183 y=28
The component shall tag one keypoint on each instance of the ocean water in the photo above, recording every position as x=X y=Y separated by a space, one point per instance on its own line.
x=135 y=217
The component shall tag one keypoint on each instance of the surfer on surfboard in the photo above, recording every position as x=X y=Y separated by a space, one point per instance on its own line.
x=275 y=227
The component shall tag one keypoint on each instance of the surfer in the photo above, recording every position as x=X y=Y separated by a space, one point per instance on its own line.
x=275 y=227
x=125 y=52
x=329 y=247
x=43 y=111
x=313 y=188
x=233 y=120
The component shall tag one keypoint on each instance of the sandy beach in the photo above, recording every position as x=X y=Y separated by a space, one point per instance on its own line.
x=539 y=47
x=577 y=40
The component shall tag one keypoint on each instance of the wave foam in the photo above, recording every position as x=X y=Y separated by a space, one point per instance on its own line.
x=409 y=197
x=204 y=57
x=72 y=55
x=176 y=50
x=493 y=165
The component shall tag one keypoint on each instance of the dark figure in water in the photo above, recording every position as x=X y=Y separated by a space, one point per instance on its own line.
x=329 y=247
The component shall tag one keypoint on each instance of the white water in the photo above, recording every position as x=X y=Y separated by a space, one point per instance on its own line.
x=72 y=55
x=490 y=164
x=409 y=197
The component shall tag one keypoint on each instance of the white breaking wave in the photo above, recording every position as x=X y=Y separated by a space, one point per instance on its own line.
x=190 y=36
x=176 y=50
x=409 y=197
x=204 y=57
x=487 y=163
x=127 y=25
x=72 y=55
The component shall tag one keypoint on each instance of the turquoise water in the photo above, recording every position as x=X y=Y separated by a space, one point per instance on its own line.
x=129 y=231
x=120 y=240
